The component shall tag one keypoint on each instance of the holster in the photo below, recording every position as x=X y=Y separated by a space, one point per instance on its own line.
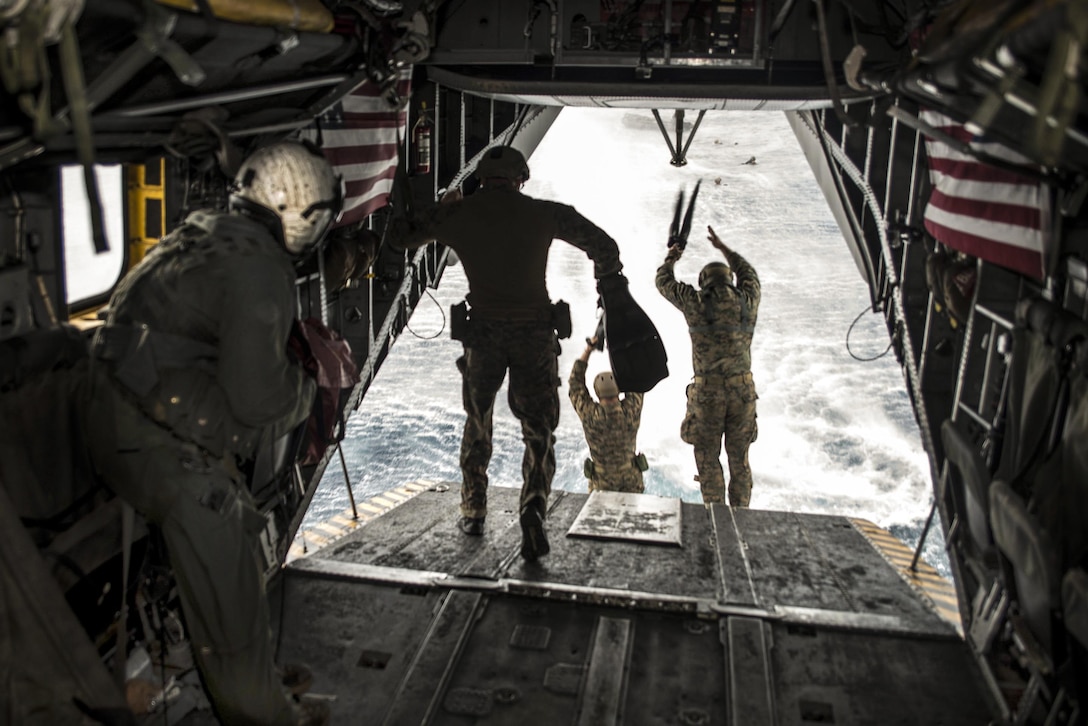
x=459 y=321
x=561 y=319
x=588 y=470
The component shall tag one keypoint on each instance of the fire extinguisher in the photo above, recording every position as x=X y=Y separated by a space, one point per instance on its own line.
x=421 y=140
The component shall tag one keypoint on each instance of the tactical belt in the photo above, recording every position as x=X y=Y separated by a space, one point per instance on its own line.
x=557 y=315
x=590 y=468
x=712 y=379
x=512 y=316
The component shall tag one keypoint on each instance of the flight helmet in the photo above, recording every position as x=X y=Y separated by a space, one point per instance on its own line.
x=505 y=162
x=714 y=274
x=294 y=182
x=604 y=385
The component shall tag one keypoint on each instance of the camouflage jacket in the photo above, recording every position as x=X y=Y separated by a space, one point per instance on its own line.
x=720 y=318
x=502 y=237
x=611 y=430
x=217 y=296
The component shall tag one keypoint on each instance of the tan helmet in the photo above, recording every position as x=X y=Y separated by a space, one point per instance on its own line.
x=604 y=385
x=294 y=182
x=714 y=274
x=505 y=162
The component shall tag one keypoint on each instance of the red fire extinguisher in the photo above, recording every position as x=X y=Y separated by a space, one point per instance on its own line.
x=421 y=140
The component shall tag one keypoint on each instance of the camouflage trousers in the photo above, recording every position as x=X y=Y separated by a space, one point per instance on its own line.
x=722 y=408
x=627 y=479
x=530 y=351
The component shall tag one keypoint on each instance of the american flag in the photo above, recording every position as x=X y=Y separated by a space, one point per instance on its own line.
x=982 y=210
x=359 y=138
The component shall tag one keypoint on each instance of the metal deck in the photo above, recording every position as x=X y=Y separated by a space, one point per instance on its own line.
x=757 y=617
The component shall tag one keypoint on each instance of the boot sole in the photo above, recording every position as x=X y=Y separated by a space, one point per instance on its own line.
x=534 y=541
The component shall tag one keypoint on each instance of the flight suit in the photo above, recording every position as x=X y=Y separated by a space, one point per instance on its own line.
x=611 y=431
x=721 y=400
x=502 y=238
x=188 y=373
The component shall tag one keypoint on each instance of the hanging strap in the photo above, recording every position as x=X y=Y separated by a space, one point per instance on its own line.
x=128 y=523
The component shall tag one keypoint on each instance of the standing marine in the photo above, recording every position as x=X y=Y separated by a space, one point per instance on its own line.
x=189 y=375
x=611 y=428
x=721 y=400
x=502 y=238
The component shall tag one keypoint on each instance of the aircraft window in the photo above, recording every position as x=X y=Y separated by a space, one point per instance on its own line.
x=87 y=274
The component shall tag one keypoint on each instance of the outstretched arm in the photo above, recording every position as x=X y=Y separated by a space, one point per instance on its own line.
x=576 y=386
x=591 y=345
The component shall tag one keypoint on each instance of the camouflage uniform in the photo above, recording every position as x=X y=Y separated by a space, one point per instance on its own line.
x=502 y=238
x=722 y=398
x=611 y=431
x=189 y=370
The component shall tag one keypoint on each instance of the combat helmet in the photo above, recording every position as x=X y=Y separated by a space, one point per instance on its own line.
x=505 y=162
x=294 y=182
x=714 y=274
x=604 y=385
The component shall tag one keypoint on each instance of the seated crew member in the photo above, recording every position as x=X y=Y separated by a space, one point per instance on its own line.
x=721 y=318
x=189 y=374
x=610 y=426
x=502 y=238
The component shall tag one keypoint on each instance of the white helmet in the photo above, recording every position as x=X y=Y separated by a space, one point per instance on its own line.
x=294 y=181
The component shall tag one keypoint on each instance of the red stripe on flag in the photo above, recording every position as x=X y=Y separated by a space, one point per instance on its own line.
x=1019 y=259
x=991 y=213
x=360 y=137
x=345 y=155
x=977 y=171
x=1027 y=217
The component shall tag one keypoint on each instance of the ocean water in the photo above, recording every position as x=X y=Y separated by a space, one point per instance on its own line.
x=837 y=435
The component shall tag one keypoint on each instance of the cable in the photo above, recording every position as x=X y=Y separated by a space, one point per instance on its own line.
x=440 y=329
x=852 y=355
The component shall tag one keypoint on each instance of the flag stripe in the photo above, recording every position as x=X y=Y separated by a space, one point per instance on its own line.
x=986 y=211
x=359 y=136
x=1025 y=261
x=961 y=169
x=989 y=212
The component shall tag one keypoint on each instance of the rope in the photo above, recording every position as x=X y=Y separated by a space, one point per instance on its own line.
x=852 y=354
x=440 y=329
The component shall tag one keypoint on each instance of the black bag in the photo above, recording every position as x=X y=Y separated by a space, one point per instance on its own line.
x=635 y=349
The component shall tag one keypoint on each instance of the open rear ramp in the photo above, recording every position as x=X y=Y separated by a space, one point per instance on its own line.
x=748 y=617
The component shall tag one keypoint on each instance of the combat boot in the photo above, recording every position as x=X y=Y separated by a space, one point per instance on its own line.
x=534 y=541
x=295 y=677
x=472 y=525
x=312 y=713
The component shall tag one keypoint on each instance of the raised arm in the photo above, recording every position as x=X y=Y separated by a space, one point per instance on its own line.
x=576 y=386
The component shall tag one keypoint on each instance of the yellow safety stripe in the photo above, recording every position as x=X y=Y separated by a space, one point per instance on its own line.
x=934 y=589
x=338 y=525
